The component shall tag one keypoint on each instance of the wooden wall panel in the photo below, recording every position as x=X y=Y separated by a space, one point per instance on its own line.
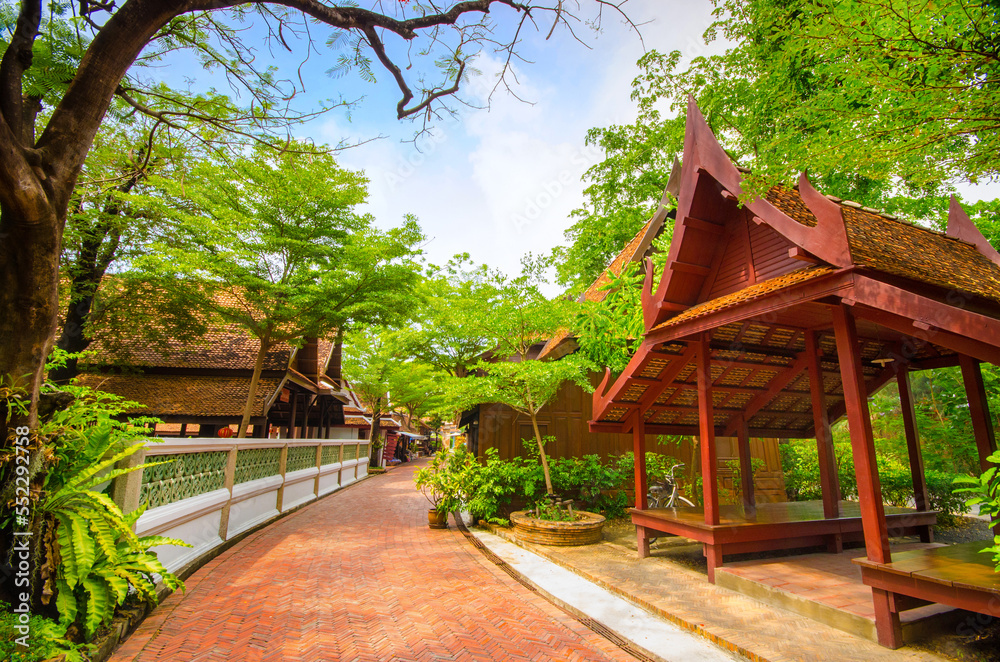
x=566 y=417
x=770 y=253
x=734 y=269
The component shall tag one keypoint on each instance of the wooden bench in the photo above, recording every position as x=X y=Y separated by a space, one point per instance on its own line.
x=955 y=575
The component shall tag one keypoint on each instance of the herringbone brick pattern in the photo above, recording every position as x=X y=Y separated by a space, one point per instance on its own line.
x=359 y=576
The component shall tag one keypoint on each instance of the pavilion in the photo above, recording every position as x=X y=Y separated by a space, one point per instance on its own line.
x=775 y=318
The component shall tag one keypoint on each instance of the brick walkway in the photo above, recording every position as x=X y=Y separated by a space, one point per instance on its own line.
x=359 y=576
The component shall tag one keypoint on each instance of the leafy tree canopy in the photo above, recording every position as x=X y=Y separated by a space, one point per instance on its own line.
x=885 y=102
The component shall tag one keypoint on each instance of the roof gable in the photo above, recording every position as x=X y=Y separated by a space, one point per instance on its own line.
x=711 y=256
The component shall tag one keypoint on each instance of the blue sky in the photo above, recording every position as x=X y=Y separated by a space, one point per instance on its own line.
x=501 y=181
x=495 y=182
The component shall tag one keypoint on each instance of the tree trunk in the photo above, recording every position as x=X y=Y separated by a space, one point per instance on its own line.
x=542 y=456
x=29 y=297
x=258 y=367
x=375 y=431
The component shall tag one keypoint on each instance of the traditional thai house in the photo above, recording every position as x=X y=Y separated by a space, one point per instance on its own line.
x=566 y=416
x=775 y=318
x=199 y=387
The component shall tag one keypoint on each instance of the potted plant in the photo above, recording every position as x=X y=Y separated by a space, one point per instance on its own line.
x=438 y=484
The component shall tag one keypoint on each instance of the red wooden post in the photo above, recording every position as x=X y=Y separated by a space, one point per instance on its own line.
x=982 y=424
x=829 y=480
x=912 y=440
x=639 y=450
x=746 y=469
x=865 y=468
x=706 y=422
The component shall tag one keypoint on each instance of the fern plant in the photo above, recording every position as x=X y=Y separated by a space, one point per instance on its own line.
x=93 y=559
x=100 y=556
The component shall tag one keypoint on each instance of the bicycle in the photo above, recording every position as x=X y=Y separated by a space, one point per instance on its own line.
x=665 y=493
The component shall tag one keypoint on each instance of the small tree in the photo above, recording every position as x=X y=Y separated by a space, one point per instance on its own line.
x=272 y=245
x=521 y=318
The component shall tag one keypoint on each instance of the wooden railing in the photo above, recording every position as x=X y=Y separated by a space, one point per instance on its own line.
x=208 y=491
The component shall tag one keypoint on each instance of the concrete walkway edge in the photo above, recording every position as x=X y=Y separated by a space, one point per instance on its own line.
x=694 y=628
x=621 y=621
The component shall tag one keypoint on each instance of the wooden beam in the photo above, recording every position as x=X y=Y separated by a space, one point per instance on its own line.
x=291 y=421
x=783 y=299
x=862 y=439
x=774 y=387
x=821 y=424
x=706 y=434
x=625 y=427
x=746 y=469
x=666 y=378
x=690 y=268
x=703 y=226
x=946 y=324
x=979 y=409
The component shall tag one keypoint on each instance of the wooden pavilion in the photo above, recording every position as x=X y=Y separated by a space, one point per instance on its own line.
x=774 y=319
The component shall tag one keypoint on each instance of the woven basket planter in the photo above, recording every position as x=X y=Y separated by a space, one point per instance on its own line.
x=584 y=531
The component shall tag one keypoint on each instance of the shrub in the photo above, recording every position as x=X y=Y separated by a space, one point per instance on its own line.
x=985 y=493
x=46 y=639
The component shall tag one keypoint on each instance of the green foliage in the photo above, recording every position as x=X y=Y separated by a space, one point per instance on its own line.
x=96 y=555
x=608 y=330
x=444 y=481
x=800 y=463
x=984 y=492
x=46 y=639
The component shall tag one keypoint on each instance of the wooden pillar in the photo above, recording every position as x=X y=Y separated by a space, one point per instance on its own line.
x=639 y=451
x=982 y=423
x=291 y=420
x=746 y=469
x=829 y=481
x=709 y=462
x=920 y=498
x=184 y=429
x=706 y=425
x=887 y=624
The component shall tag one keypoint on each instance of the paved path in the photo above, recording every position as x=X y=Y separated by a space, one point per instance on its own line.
x=359 y=576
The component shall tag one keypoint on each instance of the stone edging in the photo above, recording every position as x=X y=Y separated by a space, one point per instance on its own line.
x=695 y=628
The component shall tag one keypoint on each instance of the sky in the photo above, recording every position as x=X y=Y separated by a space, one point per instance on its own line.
x=501 y=181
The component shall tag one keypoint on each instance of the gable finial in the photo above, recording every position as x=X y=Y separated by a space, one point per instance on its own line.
x=960 y=226
x=830 y=228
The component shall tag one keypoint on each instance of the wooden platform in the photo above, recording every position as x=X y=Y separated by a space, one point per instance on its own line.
x=789 y=525
x=956 y=575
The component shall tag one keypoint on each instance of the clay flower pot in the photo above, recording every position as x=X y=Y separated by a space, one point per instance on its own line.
x=586 y=530
x=437 y=520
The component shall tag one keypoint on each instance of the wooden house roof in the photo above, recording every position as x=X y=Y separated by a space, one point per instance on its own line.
x=190 y=395
x=759 y=282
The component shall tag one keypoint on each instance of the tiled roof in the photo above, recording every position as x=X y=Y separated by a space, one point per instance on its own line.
x=895 y=247
x=748 y=294
x=191 y=395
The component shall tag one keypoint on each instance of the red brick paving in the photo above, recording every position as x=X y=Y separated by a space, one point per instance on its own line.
x=359 y=576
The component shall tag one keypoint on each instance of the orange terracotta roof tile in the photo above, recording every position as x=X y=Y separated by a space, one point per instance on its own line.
x=748 y=294
x=901 y=249
x=191 y=395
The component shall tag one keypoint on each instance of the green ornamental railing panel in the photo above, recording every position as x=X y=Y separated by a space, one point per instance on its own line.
x=254 y=463
x=351 y=452
x=300 y=457
x=331 y=455
x=362 y=451
x=190 y=474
